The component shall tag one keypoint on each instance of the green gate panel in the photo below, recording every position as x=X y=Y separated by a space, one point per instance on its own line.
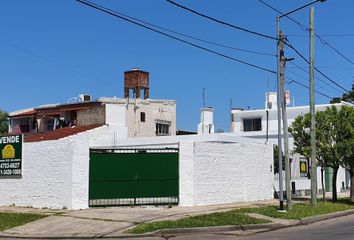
x=136 y=176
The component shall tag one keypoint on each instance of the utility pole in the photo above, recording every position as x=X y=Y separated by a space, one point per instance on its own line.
x=285 y=124
x=312 y=114
x=280 y=50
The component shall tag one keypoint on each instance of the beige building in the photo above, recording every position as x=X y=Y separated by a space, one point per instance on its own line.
x=143 y=117
x=147 y=117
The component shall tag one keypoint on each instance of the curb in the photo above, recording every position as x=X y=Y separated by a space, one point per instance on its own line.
x=216 y=229
x=309 y=220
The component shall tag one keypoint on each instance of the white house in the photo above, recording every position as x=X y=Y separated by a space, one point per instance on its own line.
x=263 y=124
x=124 y=151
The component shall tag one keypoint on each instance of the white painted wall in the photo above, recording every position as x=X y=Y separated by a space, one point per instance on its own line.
x=225 y=173
x=186 y=173
x=46 y=176
x=115 y=114
x=55 y=174
x=155 y=110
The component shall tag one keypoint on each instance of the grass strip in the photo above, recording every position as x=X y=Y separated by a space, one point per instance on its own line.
x=238 y=217
x=10 y=220
x=207 y=220
x=303 y=210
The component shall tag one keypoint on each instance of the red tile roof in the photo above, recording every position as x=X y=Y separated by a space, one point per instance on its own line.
x=58 y=133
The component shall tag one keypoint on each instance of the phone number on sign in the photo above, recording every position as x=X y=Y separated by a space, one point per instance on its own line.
x=9 y=165
x=10 y=172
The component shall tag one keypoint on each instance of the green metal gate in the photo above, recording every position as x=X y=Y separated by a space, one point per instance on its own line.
x=133 y=176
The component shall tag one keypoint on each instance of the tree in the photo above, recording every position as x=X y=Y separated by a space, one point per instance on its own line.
x=3 y=122
x=345 y=147
x=327 y=148
x=346 y=97
x=328 y=139
x=300 y=130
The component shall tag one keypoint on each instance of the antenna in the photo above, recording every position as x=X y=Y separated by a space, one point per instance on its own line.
x=203 y=97
x=230 y=112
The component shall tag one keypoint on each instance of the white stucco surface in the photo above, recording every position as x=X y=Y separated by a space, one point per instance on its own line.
x=186 y=173
x=55 y=174
x=232 y=172
x=211 y=171
x=46 y=177
x=115 y=114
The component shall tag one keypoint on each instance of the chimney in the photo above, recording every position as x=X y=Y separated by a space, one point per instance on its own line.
x=271 y=100
x=206 y=125
x=136 y=80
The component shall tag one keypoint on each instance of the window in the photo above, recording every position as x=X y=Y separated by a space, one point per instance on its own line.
x=162 y=129
x=142 y=117
x=50 y=124
x=252 y=124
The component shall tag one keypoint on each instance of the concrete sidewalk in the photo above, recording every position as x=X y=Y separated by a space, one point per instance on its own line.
x=115 y=221
x=111 y=221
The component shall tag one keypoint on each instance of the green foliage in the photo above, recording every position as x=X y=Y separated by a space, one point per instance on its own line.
x=346 y=97
x=10 y=220
x=345 y=147
x=234 y=217
x=239 y=217
x=334 y=138
x=3 y=122
x=300 y=130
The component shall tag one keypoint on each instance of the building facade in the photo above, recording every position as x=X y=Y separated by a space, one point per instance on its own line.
x=263 y=124
x=143 y=117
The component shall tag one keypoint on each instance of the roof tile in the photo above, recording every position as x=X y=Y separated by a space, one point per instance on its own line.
x=58 y=133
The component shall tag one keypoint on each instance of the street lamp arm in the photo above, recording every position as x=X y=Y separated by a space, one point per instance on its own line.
x=304 y=6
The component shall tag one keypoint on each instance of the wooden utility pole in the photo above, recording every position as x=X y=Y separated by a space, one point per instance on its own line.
x=280 y=51
x=285 y=126
x=312 y=114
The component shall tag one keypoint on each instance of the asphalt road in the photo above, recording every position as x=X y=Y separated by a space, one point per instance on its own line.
x=339 y=229
x=334 y=229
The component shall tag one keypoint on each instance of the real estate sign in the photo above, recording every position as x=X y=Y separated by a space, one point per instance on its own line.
x=11 y=155
x=303 y=168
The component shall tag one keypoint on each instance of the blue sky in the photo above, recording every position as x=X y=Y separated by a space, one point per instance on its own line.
x=51 y=51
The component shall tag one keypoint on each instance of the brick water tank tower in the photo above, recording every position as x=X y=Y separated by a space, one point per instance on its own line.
x=136 y=80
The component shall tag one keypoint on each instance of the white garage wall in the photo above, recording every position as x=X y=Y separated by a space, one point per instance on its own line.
x=46 y=176
x=55 y=174
x=232 y=172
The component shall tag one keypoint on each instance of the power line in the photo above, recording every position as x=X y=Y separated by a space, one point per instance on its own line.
x=220 y=21
x=56 y=63
x=328 y=67
x=112 y=13
x=334 y=49
x=192 y=37
x=324 y=35
x=303 y=85
x=304 y=78
x=306 y=29
x=316 y=69
x=302 y=69
x=259 y=34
